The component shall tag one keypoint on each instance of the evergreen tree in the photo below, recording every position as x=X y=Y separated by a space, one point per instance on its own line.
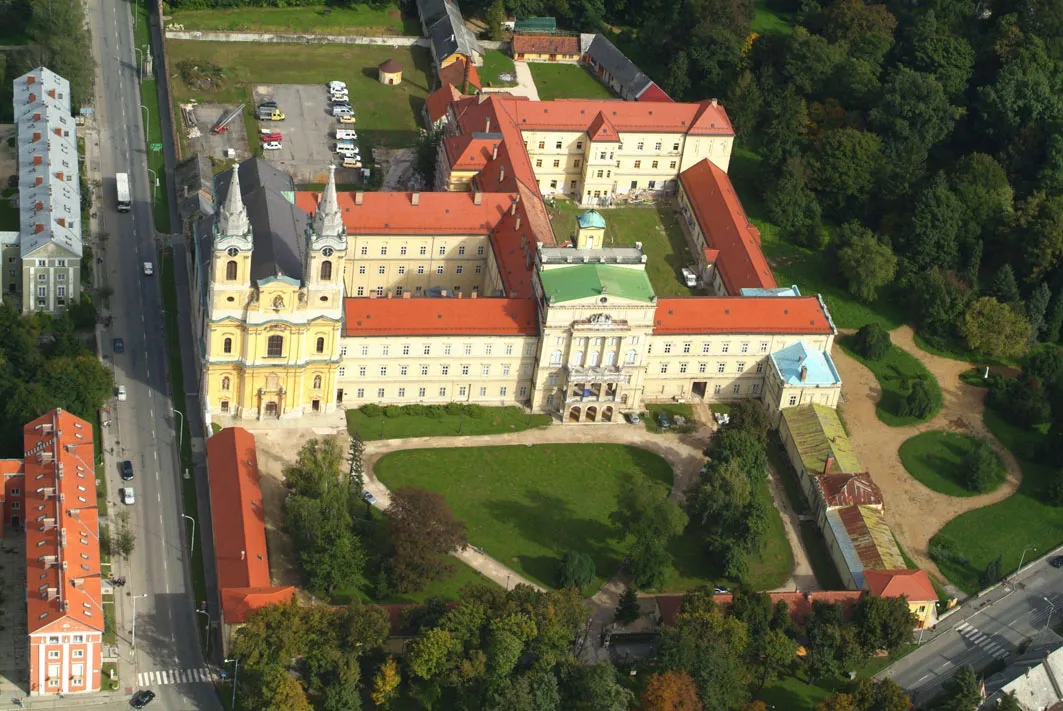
x=1004 y=286
x=1054 y=319
x=1037 y=308
x=627 y=611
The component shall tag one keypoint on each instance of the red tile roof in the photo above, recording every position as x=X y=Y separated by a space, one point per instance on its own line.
x=653 y=93
x=849 y=490
x=800 y=604
x=238 y=603
x=434 y=213
x=440 y=316
x=465 y=152
x=437 y=102
x=913 y=584
x=454 y=73
x=602 y=129
x=62 y=525
x=799 y=315
x=546 y=44
x=703 y=119
x=724 y=223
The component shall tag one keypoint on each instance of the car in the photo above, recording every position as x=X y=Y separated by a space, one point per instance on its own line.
x=268 y=105
x=663 y=420
x=341 y=95
x=127 y=470
x=119 y=345
x=633 y=418
x=120 y=392
x=268 y=135
x=337 y=85
x=689 y=278
x=149 y=268
x=348 y=152
x=370 y=499
x=719 y=590
x=142 y=698
x=128 y=497
x=340 y=110
x=1056 y=562
x=347 y=118
x=346 y=134
x=271 y=146
x=349 y=145
x=352 y=162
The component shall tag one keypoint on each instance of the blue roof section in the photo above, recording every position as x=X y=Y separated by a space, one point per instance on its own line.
x=820 y=367
x=848 y=549
x=591 y=219
x=781 y=291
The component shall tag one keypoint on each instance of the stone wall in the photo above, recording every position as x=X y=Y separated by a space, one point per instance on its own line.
x=295 y=38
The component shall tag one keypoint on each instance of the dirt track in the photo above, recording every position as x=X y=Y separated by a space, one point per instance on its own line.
x=914 y=512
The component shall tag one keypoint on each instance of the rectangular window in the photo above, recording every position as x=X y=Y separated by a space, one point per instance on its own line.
x=403 y=369
x=361 y=291
x=42 y=291
x=361 y=269
x=487 y=349
x=359 y=393
x=365 y=351
x=423 y=250
x=654 y=166
x=444 y=370
x=557 y=164
x=741 y=367
x=503 y=390
x=468 y=349
x=558 y=145
x=756 y=388
x=461 y=251
x=446 y=349
x=638 y=164
x=686 y=347
x=509 y=349
x=464 y=370
x=365 y=250
x=716 y=389
x=61 y=276
x=552 y=380
x=745 y=348
x=664 y=368
x=505 y=369
x=402 y=392
x=462 y=391
x=442 y=250
x=381 y=269
x=667 y=347
x=549 y=399
x=343 y=351
x=421 y=392
x=640 y=145
x=601 y=174
x=442 y=392
x=523 y=390
x=420 y=270
x=361 y=371
x=702 y=367
x=60 y=291
x=342 y=371
x=402 y=251
x=793 y=400
x=383 y=250
x=406 y=349
x=427 y=350
x=671 y=164
x=721 y=367
x=53 y=653
x=682 y=367
x=459 y=269
x=483 y=392
x=542 y=145
x=760 y=367
x=385 y=350
x=439 y=269
x=380 y=393
x=424 y=370
x=486 y=370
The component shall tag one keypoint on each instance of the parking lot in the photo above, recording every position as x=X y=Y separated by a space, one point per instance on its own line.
x=308 y=130
x=234 y=137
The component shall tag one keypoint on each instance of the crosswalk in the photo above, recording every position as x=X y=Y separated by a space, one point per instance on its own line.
x=203 y=675
x=982 y=640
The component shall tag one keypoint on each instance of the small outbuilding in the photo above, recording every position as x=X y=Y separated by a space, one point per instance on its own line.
x=390 y=73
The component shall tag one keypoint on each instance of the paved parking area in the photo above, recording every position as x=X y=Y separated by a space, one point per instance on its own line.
x=234 y=137
x=309 y=131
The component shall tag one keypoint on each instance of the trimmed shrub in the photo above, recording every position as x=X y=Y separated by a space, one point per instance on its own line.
x=395 y=411
x=371 y=410
x=981 y=468
x=918 y=403
x=872 y=341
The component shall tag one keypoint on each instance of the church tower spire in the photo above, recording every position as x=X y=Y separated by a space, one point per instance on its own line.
x=328 y=221
x=232 y=219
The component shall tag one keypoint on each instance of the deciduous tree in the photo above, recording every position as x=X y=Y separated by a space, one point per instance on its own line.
x=671 y=691
x=960 y=692
x=883 y=622
x=422 y=531
x=845 y=162
x=709 y=647
x=791 y=204
x=872 y=341
x=577 y=569
x=880 y=695
x=868 y=265
x=996 y=329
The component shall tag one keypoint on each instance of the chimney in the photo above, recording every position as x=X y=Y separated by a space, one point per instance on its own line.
x=516 y=224
x=37 y=160
x=58 y=132
x=33 y=97
x=415 y=198
x=487 y=125
x=37 y=117
x=715 y=102
x=39 y=180
x=36 y=136
x=51 y=93
x=494 y=152
x=407 y=294
x=442 y=292
x=477 y=198
x=358 y=197
x=39 y=206
x=473 y=294
x=513 y=208
x=804 y=373
x=62 y=222
x=243 y=555
x=31 y=80
x=501 y=173
x=828 y=465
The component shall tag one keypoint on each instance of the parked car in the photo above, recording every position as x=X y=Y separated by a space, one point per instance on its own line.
x=149 y=268
x=270 y=115
x=352 y=162
x=268 y=135
x=337 y=85
x=346 y=134
x=339 y=95
x=680 y=420
x=119 y=345
x=348 y=152
x=271 y=146
x=269 y=104
x=120 y=392
x=689 y=278
x=1056 y=562
x=127 y=470
x=142 y=698
x=128 y=497
x=342 y=110
x=369 y=498
x=718 y=590
x=663 y=420
x=347 y=119
x=633 y=418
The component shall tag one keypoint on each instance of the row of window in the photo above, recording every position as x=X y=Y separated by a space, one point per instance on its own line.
x=426 y=349
x=400 y=290
x=444 y=370
x=706 y=347
x=42 y=291
x=422 y=250
x=463 y=391
x=59 y=276
x=640 y=146
x=440 y=269
x=232 y=270
x=42 y=262
x=76 y=653
x=720 y=367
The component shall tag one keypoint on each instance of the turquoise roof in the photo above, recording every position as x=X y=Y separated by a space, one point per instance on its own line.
x=585 y=280
x=591 y=218
x=781 y=291
x=789 y=361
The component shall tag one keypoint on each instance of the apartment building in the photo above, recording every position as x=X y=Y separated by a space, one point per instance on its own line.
x=48 y=261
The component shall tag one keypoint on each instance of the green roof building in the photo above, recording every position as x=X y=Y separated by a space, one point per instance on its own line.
x=591 y=218
x=536 y=24
x=583 y=281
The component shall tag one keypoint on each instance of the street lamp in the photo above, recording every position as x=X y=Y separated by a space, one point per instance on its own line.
x=204 y=612
x=154 y=185
x=181 y=429
x=1051 y=609
x=147 y=119
x=1022 y=558
x=138 y=49
x=193 y=550
x=135 y=598
x=236 y=675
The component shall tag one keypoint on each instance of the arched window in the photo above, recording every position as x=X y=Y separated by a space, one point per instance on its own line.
x=317 y=382
x=577 y=358
x=555 y=357
x=592 y=359
x=274 y=346
x=631 y=357
x=227 y=345
x=225 y=383
x=230 y=271
x=326 y=271
x=610 y=357
x=320 y=345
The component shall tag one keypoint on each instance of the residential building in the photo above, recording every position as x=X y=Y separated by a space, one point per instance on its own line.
x=63 y=585
x=546 y=48
x=239 y=531
x=449 y=38
x=1035 y=677
x=618 y=72
x=816 y=444
x=913 y=585
x=50 y=246
x=12 y=486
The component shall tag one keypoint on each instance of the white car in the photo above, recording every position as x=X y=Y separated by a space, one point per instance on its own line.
x=120 y=391
x=689 y=278
x=149 y=269
x=337 y=86
x=128 y=497
x=346 y=134
x=271 y=146
x=338 y=96
x=347 y=152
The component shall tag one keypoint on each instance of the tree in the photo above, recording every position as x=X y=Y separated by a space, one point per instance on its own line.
x=791 y=204
x=880 y=695
x=577 y=569
x=627 y=611
x=595 y=688
x=777 y=653
x=993 y=572
x=709 y=647
x=59 y=39
x=1037 y=309
x=844 y=164
x=1054 y=319
x=280 y=691
x=317 y=469
x=1008 y=702
x=867 y=30
x=961 y=692
x=872 y=341
x=645 y=514
x=648 y=559
x=837 y=702
x=1026 y=90
x=996 y=329
x=671 y=691
x=883 y=622
x=784 y=129
x=1046 y=366
x=833 y=646
x=947 y=58
x=678 y=81
x=982 y=186
x=867 y=265
x=422 y=531
x=981 y=468
x=1037 y=225
x=931 y=239
x=751 y=417
x=494 y=17
x=125 y=541
x=810 y=61
x=1004 y=287
x=428 y=653
x=528 y=692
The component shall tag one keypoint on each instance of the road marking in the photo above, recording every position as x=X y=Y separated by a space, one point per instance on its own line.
x=983 y=641
x=159 y=497
x=200 y=675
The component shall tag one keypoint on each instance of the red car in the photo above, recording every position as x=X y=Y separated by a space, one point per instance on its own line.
x=272 y=136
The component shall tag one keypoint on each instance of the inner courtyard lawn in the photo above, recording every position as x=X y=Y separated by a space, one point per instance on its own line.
x=567 y=81
x=935 y=459
x=495 y=63
x=527 y=506
x=895 y=372
x=657 y=228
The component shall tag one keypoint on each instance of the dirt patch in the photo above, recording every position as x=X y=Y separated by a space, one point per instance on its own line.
x=277 y=448
x=215 y=146
x=397 y=165
x=914 y=512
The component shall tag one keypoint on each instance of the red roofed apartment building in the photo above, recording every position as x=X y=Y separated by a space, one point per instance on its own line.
x=239 y=530
x=308 y=302
x=53 y=493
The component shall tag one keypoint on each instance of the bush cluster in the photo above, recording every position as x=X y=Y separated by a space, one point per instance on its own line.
x=434 y=411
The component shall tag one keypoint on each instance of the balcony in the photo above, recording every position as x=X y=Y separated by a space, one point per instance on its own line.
x=595 y=374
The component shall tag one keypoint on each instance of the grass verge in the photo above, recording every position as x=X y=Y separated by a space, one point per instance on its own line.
x=671 y=409
x=177 y=384
x=109 y=676
x=495 y=420
x=1006 y=528
x=496 y=63
x=567 y=81
x=895 y=372
x=366 y=20
x=935 y=459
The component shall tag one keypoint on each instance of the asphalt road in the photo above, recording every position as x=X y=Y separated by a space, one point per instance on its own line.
x=984 y=630
x=168 y=657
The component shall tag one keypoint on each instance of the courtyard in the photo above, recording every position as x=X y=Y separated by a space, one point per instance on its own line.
x=567 y=81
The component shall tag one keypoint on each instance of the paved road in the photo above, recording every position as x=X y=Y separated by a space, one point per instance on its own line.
x=168 y=656
x=984 y=630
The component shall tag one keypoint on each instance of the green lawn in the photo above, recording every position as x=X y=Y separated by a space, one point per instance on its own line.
x=496 y=420
x=387 y=115
x=797 y=693
x=936 y=460
x=770 y=22
x=671 y=409
x=382 y=19
x=9 y=218
x=805 y=268
x=658 y=230
x=448 y=590
x=567 y=81
x=495 y=63
x=1006 y=528
x=895 y=372
x=156 y=159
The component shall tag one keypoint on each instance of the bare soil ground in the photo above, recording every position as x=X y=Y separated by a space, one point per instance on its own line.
x=914 y=512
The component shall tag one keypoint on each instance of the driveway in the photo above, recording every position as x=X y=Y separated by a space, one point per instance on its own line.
x=525 y=84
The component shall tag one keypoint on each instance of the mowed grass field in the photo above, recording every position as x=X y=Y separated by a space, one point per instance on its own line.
x=495 y=420
x=567 y=81
x=366 y=20
x=657 y=228
x=389 y=115
x=495 y=63
x=936 y=460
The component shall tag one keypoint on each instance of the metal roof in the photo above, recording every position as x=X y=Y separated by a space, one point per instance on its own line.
x=590 y=280
x=817 y=432
x=535 y=24
x=817 y=366
x=606 y=55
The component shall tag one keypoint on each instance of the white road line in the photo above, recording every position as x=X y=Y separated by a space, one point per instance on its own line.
x=159 y=497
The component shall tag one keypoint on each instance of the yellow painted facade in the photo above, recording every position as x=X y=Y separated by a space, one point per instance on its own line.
x=399 y=264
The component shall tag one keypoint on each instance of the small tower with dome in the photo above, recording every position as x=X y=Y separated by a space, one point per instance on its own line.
x=590 y=230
